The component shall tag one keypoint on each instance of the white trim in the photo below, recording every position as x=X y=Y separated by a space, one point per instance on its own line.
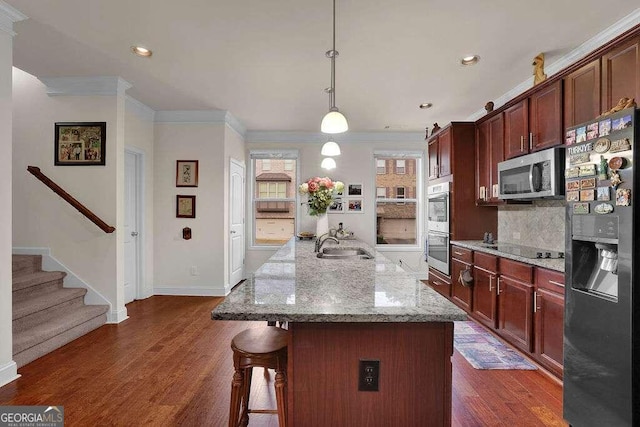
x=198 y=291
x=117 y=316
x=141 y=110
x=74 y=86
x=50 y=263
x=139 y=292
x=317 y=137
x=201 y=116
x=9 y=15
x=241 y=164
x=572 y=57
x=8 y=373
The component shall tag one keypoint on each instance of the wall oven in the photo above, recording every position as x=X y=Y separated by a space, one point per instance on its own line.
x=438 y=227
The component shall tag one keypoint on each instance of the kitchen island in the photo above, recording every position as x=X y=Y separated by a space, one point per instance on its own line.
x=342 y=311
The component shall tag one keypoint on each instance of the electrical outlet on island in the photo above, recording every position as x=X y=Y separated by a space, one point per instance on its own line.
x=194 y=270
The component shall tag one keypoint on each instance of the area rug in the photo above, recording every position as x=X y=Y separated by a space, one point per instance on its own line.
x=484 y=351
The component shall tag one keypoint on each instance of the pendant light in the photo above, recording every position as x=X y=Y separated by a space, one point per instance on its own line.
x=328 y=163
x=330 y=148
x=334 y=121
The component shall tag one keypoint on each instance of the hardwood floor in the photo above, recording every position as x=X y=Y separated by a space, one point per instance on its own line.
x=170 y=364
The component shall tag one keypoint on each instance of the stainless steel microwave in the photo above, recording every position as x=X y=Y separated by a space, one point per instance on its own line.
x=536 y=175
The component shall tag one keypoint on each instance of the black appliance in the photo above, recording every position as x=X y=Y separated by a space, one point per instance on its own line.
x=524 y=251
x=602 y=308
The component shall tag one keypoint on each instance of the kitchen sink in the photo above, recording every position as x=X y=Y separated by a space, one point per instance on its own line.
x=344 y=253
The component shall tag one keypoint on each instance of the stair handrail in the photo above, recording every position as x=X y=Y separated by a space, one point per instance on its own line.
x=35 y=171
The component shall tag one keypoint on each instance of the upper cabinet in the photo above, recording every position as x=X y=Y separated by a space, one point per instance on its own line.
x=621 y=74
x=489 y=152
x=440 y=154
x=582 y=94
x=535 y=123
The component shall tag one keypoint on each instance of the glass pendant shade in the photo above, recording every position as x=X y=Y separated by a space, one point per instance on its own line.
x=330 y=148
x=328 y=163
x=334 y=122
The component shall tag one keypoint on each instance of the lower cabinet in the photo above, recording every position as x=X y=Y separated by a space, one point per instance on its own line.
x=440 y=282
x=485 y=278
x=516 y=316
x=549 y=319
x=461 y=293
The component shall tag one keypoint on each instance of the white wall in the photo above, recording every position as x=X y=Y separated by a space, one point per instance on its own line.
x=40 y=217
x=174 y=257
x=354 y=165
x=7 y=366
x=138 y=135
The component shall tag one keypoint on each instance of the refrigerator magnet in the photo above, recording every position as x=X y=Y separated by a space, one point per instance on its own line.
x=580 y=208
x=623 y=197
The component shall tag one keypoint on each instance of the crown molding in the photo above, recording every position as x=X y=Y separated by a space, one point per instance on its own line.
x=316 y=137
x=201 y=116
x=600 y=39
x=71 y=86
x=9 y=15
x=139 y=109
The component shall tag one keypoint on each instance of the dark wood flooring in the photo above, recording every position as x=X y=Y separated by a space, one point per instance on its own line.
x=170 y=364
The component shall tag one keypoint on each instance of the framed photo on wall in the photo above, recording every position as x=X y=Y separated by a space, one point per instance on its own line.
x=185 y=206
x=354 y=206
x=80 y=144
x=336 y=207
x=354 y=190
x=186 y=173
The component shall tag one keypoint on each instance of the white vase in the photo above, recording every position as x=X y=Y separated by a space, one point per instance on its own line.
x=322 y=224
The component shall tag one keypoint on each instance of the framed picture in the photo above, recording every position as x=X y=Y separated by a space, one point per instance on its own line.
x=336 y=207
x=186 y=173
x=80 y=144
x=354 y=206
x=354 y=190
x=185 y=206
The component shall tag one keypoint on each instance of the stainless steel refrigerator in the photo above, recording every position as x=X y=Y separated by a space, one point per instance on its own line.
x=602 y=299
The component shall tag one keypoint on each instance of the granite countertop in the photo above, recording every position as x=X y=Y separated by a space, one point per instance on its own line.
x=477 y=245
x=296 y=286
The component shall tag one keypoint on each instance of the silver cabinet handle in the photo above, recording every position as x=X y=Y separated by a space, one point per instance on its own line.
x=498 y=286
x=521 y=142
x=134 y=233
x=530 y=141
x=535 y=301
x=556 y=283
x=458 y=253
x=490 y=283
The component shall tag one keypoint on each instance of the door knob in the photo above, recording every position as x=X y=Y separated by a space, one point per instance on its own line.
x=232 y=232
x=134 y=233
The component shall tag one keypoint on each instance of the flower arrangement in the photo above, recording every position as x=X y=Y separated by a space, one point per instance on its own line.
x=320 y=192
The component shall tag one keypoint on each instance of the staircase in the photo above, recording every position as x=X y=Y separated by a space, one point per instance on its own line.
x=47 y=316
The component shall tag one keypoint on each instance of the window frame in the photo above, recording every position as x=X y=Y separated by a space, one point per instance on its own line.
x=404 y=168
x=252 y=199
x=384 y=167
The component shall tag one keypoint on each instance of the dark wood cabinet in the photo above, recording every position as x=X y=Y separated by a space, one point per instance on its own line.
x=582 y=94
x=621 y=73
x=440 y=282
x=516 y=317
x=549 y=319
x=516 y=130
x=485 y=281
x=440 y=154
x=461 y=293
x=489 y=152
x=545 y=117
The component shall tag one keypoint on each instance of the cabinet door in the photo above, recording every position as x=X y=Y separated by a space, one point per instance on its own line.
x=549 y=315
x=484 y=297
x=516 y=312
x=483 y=163
x=433 y=158
x=545 y=117
x=621 y=74
x=440 y=284
x=516 y=130
x=496 y=138
x=444 y=152
x=582 y=94
x=460 y=294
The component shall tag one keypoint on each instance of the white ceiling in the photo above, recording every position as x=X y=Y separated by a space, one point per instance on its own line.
x=264 y=60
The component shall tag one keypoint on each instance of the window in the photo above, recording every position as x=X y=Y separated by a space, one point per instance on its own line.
x=274 y=179
x=398 y=209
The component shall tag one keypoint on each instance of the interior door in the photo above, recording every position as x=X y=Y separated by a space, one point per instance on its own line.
x=236 y=222
x=131 y=252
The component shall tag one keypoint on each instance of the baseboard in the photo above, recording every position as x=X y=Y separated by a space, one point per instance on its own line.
x=8 y=373
x=50 y=263
x=193 y=291
x=117 y=316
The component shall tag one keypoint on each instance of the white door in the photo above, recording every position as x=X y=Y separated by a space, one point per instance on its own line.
x=236 y=222
x=131 y=239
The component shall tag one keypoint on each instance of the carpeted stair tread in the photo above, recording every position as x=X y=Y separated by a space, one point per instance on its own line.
x=45 y=300
x=45 y=331
x=33 y=279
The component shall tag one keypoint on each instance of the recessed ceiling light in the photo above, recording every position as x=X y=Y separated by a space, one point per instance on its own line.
x=426 y=105
x=470 y=60
x=141 y=51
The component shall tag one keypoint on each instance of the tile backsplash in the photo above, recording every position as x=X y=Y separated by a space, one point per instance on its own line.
x=541 y=224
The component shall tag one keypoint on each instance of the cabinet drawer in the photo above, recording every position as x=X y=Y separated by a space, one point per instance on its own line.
x=486 y=261
x=549 y=279
x=517 y=270
x=463 y=254
x=442 y=284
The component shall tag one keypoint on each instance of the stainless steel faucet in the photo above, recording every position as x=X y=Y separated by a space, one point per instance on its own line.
x=320 y=241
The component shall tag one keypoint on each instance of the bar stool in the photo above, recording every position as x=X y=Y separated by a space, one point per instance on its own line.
x=258 y=347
